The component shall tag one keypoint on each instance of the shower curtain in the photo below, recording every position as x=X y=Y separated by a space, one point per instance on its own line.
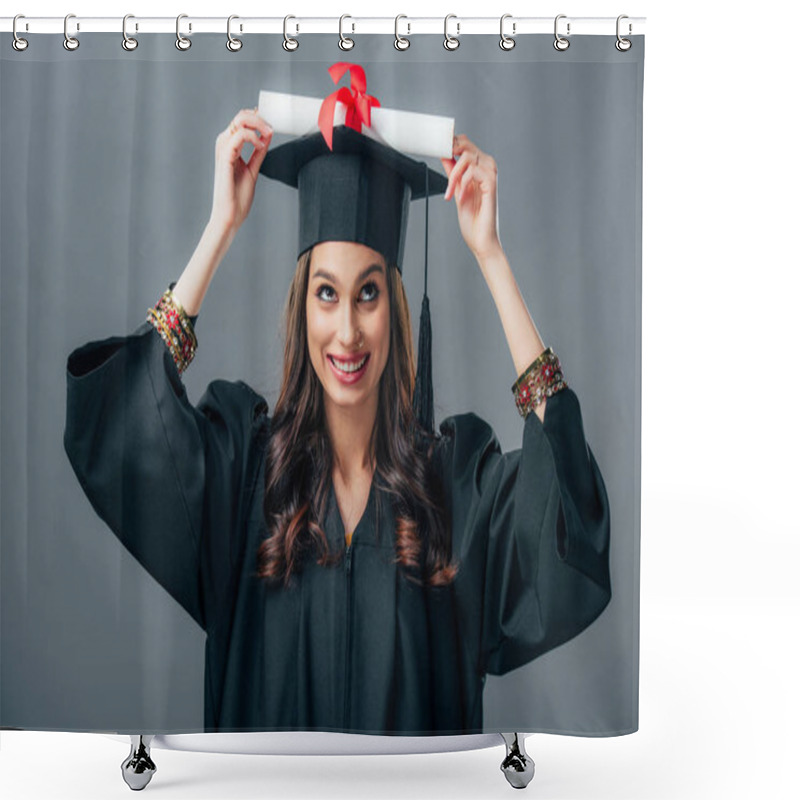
x=107 y=165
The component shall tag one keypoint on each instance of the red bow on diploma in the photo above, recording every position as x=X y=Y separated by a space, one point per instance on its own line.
x=356 y=99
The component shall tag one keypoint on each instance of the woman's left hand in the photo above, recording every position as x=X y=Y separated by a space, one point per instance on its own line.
x=473 y=182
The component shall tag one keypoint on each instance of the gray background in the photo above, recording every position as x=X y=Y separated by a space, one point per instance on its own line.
x=106 y=160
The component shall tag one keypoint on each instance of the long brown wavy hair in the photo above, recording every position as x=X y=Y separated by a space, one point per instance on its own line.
x=299 y=455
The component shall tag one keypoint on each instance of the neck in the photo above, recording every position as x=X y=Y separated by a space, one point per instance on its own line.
x=350 y=431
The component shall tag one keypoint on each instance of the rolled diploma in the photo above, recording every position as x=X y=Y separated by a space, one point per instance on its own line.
x=406 y=131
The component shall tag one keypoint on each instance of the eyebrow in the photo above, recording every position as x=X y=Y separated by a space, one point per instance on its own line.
x=321 y=273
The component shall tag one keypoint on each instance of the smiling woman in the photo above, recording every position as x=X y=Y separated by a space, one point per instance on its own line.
x=352 y=425
x=353 y=569
x=348 y=340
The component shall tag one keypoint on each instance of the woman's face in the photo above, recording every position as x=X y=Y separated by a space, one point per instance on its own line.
x=348 y=319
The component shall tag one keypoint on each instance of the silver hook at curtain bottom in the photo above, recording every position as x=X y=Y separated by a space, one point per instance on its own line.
x=517 y=766
x=138 y=768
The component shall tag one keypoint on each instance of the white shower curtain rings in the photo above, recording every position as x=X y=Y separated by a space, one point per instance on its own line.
x=233 y=44
x=70 y=42
x=507 y=42
x=344 y=42
x=623 y=45
x=561 y=43
x=182 y=42
x=18 y=43
x=129 y=43
x=451 y=41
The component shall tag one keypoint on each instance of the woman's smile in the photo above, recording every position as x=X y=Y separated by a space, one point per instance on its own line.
x=349 y=369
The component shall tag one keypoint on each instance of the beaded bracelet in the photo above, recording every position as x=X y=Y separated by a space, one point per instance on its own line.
x=541 y=379
x=175 y=328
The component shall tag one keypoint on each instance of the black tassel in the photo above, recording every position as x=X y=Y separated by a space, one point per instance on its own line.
x=423 y=386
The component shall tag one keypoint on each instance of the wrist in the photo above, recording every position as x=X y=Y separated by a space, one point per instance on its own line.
x=220 y=230
x=493 y=252
x=494 y=267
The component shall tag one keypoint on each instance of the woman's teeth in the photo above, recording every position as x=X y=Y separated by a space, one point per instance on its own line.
x=348 y=366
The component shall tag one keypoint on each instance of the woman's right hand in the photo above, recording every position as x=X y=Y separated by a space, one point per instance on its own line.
x=235 y=179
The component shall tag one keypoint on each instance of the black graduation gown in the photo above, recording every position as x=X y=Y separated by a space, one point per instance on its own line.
x=356 y=647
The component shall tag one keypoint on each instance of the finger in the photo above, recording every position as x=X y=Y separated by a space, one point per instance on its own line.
x=258 y=155
x=462 y=163
x=464 y=183
x=477 y=174
x=448 y=164
x=455 y=176
x=265 y=134
x=244 y=115
x=249 y=118
x=462 y=143
x=465 y=146
x=239 y=138
x=261 y=124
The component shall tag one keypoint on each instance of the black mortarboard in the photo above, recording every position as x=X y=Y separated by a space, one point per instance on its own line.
x=360 y=192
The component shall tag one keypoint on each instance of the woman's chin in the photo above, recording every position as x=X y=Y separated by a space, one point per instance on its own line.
x=351 y=397
x=348 y=396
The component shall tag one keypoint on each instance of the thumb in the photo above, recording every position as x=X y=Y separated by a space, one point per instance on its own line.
x=259 y=153
x=448 y=164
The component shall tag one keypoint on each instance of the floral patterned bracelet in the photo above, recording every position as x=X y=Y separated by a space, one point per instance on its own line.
x=542 y=379
x=175 y=328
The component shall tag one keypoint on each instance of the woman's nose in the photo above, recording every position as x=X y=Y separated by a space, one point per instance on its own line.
x=348 y=328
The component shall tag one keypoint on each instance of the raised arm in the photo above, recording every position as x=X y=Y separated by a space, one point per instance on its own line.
x=531 y=527
x=473 y=183
x=234 y=187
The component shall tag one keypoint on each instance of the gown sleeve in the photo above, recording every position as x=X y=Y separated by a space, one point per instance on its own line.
x=531 y=530
x=165 y=476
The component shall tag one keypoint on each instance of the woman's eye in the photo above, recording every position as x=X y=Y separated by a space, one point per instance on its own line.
x=323 y=290
x=371 y=290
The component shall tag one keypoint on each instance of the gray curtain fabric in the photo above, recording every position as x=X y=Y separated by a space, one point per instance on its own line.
x=107 y=165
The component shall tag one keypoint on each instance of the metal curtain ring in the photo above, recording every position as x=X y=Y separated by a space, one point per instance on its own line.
x=560 y=42
x=344 y=42
x=289 y=44
x=129 y=43
x=507 y=42
x=233 y=44
x=451 y=42
x=623 y=45
x=18 y=43
x=70 y=42
x=400 y=43
x=181 y=42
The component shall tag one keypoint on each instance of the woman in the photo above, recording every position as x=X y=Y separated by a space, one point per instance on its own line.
x=350 y=573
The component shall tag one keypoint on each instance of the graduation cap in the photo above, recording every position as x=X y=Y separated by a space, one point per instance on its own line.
x=359 y=190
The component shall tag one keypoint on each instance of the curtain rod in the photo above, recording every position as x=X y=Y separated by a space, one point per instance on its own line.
x=297 y=25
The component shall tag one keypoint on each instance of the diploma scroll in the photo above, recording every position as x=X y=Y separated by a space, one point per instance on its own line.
x=406 y=131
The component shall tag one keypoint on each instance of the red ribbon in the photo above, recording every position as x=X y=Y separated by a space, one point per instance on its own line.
x=356 y=99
